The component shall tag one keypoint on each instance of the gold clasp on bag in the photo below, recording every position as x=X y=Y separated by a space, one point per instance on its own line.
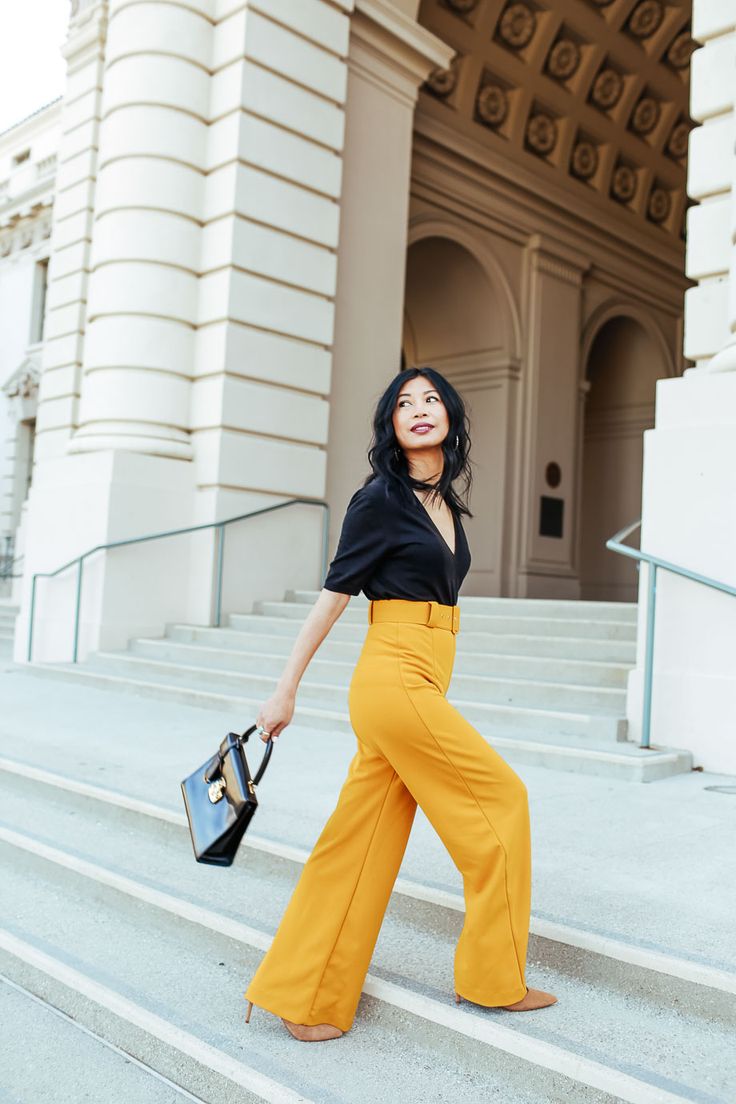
x=215 y=790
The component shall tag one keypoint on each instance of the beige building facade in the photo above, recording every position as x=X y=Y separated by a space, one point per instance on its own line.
x=258 y=212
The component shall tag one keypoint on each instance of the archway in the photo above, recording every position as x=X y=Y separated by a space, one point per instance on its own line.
x=622 y=367
x=456 y=319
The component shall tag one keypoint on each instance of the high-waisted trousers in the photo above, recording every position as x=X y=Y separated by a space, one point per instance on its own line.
x=414 y=748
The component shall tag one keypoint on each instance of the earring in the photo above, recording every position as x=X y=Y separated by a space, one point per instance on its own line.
x=457 y=440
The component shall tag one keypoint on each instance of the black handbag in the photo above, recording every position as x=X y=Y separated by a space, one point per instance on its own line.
x=220 y=800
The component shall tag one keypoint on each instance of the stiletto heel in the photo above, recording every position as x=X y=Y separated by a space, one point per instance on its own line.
x=315 y=1033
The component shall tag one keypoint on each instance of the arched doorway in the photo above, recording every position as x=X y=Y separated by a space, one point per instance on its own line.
x=621 y=371
x=457 y=320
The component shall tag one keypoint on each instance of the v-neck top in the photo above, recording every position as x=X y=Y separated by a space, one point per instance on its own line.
x=392 y=548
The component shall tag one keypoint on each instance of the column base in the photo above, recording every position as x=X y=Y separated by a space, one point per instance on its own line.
x=79 y=502
x=109 y=437
x=688 y=518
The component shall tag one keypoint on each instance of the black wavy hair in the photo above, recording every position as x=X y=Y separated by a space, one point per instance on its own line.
x=386 y=458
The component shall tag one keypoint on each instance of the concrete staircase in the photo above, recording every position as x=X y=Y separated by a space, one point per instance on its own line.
x=544 y=681
x=106 y=919
x=8 y=614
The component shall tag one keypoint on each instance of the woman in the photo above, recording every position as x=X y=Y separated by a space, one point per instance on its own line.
x=403 y=544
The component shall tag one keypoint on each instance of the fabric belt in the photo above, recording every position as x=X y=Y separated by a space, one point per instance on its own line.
x=434 y=614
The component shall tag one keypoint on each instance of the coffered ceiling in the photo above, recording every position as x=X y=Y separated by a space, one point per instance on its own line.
x=597 y=90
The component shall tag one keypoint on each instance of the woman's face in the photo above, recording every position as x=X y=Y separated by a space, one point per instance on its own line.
x=420 y=403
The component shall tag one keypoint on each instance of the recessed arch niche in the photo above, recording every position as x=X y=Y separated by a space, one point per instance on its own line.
x=457 y=320
x=623 y=365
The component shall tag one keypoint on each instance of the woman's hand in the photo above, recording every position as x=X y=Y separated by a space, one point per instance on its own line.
x=276 y=713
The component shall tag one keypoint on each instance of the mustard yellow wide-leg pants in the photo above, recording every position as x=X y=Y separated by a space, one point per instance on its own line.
x=414 y=748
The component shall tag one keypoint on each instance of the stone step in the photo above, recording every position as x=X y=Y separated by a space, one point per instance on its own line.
x=75 y=807
x=627 y=1032
x=497 y=623
x=327 y=681
x=589 y=744
x=70 y=1062
x=526 y=607
x=166 y=981
x=270 y=633
x=250 y=655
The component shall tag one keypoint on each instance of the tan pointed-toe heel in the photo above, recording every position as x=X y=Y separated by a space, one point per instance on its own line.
x=314 y=1033
x=533 y=998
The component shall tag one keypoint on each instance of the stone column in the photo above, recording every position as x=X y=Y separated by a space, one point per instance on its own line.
x=142 y=298
x=390 y=57
x=689 y=489
x=128 y=312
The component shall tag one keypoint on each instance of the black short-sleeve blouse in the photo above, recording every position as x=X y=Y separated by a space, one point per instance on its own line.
x=390 y=547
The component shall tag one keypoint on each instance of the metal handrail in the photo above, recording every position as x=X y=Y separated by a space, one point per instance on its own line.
x=655 y=562
x=7 y=563
x=218 y=525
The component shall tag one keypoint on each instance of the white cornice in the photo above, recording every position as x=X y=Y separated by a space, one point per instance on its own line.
x=28 y=203
x=23 y=132
x=393 y=51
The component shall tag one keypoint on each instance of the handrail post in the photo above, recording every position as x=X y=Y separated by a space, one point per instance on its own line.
x=649 y=654
x=30 y=616
x=218 y=578
x=76 y=610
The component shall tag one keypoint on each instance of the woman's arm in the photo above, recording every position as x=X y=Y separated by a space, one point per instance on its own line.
x=276 y=713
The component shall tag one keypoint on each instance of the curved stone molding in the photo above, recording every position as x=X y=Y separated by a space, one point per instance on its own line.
x=607 y=88
x=584 y=160
x=156 y=236
x=677 y=142
x=563 y=59
x=163 y=81
x=645 y=115
x=492 y=104
x=680 y=50
x=623 y=184
x=164 y=27
x=659 y=205
x=646 y=18
x=517 y=25
x=149 y=183
x=541 y=133
x=152 y=131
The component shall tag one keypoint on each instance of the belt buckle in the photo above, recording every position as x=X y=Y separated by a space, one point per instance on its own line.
x=456 y=619
x=438 y=616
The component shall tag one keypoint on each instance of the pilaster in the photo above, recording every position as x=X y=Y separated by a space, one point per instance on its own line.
x=551 y=411
x=60 y=387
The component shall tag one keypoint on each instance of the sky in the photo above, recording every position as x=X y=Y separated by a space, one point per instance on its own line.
x=32 y=69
